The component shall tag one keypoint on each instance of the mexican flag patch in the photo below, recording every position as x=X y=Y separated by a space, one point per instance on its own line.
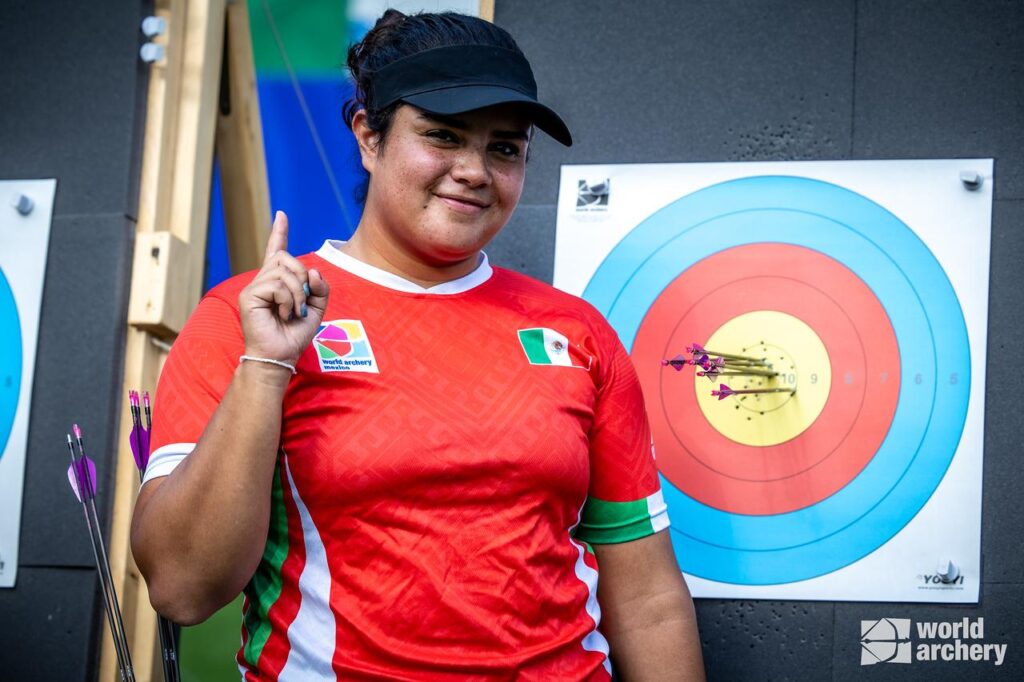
x=545 y=346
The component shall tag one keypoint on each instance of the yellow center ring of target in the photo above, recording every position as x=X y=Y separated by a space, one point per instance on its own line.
x=795 y=352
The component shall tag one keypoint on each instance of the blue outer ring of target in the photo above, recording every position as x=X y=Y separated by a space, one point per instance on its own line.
x=10 y=361
x=930 y=332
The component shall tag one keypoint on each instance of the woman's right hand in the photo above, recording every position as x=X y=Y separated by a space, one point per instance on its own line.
x=282 y=308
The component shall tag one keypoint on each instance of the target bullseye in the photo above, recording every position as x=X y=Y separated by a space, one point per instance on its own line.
x=771 y=418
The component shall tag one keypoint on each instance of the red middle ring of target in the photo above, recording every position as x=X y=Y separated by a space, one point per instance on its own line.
x=865 y=366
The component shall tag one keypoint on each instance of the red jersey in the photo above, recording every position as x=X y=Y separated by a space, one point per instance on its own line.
x=446 y=456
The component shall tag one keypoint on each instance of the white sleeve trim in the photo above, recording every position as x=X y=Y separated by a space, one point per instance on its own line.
x=164 y=460
x=658 y=510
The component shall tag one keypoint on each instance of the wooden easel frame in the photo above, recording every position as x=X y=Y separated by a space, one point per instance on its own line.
x=202 y=95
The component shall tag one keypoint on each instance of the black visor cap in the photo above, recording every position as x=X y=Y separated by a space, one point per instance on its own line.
x=456 y=79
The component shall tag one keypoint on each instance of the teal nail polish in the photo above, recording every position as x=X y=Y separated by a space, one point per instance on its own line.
x=305 y=311
x=305 y=289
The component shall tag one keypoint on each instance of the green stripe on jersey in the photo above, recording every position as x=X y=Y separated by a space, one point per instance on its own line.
x=604 y=523
x=265 y=585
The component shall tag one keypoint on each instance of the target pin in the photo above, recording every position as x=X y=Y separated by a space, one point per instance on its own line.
x=724 y=391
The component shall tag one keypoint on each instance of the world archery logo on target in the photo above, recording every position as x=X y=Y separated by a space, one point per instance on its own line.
x=342 y=346
x=593 y=196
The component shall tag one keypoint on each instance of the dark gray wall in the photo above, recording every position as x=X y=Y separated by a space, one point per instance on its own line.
x=752 y=80
x=71 y=107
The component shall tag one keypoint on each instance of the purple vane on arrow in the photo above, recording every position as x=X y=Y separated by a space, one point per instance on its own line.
x=677 y=363
x=147 y=429
x=696 y=349
x=135 y=440
x=723 y=392
x=144 y=455
x=138 y=439
x=83 y=470
x=710 y=374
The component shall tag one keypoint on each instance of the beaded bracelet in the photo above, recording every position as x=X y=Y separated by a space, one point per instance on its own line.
x=279 y=363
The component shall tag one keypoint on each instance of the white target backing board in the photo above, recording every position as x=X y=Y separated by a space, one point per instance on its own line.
x=23 y=243
x=865 y=285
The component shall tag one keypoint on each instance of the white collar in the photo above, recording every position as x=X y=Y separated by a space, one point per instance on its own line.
x=331 y=253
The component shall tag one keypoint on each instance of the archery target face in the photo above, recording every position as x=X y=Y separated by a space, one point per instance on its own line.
x=861 y=322
x=24 y=240
x=10 y=361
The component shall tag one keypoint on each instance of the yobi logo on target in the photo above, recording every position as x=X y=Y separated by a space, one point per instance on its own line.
x=889 y=640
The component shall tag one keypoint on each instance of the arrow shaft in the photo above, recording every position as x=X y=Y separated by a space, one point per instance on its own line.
x=731 y=356
x=745 y=363
x=165 y=630
x=746 y=373
x=123 y=642
x=103 y=566
x=82 y=476
x=764 y=390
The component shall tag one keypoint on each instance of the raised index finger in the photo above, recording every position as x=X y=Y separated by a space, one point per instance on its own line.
x=278 y=236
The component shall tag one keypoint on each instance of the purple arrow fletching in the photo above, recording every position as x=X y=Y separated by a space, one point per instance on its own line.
x=144 y=455
x=83 y=470
x=723 y=392
x=677 y=363
x=710 y=374
x=695 y=349
x=134 y=440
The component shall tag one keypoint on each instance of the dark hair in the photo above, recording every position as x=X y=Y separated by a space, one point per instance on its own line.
x=396 y=35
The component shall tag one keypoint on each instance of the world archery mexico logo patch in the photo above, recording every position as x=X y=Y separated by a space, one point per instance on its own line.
x=342 y=346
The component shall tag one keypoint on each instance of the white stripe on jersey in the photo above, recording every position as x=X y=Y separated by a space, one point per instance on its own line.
x=312 y=635
x=594 y=641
